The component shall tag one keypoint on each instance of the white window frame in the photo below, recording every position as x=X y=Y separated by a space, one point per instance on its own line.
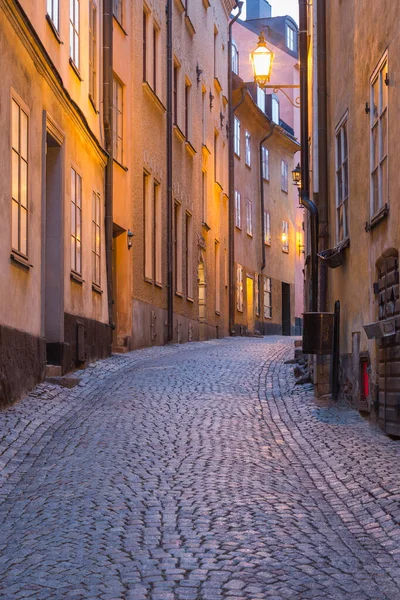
x=342 y=178
x=74 y=32
x=248 y=148
x=249 y=217
x=238 y=210
x=235 y=58
x=118 y=120
x=284 y=176
x=76 y=222
x=267 y=298
x=378 y=116
x=19 y=176
x=188 y=109
x=236 y=136
x=285 y=231
x=275 y=109
x=118 y=12
x=267 y=228
x=96 y=238
x=290 y=38
x=261 y=98
x=265 y=163
x=93 y=51
x=53 y=12
x=239 y=287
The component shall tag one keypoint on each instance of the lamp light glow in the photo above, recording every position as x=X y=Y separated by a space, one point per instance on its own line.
x=262 y=59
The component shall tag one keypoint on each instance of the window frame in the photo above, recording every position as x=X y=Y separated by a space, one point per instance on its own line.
x=239 y=287
x=247 y=148
x=118 y=11
x=376 y=118
x=290 y=39
x=249 y=217
x=238 y=210
x=23 y=148
x=178 y=248
x=236 y=139
x=275 y=108
x=285 y=230
x=267 y=298
x=235 y=58
x=267 y=228
x=265 y=163
x=74 y=33
x=93 y=51
x=76 y=223
x=284 y=176
x=50 y=4
x=257 y=293
x=96 y=238
x=118 y=120
x=342 y=177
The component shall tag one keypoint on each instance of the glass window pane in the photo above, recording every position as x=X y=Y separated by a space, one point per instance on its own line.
x=73 y=219
x=15 y=175
x=384 y=135
x=78 y=258
x=78 y=224
x=15 y=125
x=375 y=191
x=73 y=253
x=339 y=186
x=23 y=231
x=375 y=99
x=78 y=190
x=345 y=180
x=23 y=183
x=73 y=175
x=24 y=135
x=375 y=146
x=15 y=222
x=384 y=88
x=384 y=182
x=340 y=222
x=344 y=136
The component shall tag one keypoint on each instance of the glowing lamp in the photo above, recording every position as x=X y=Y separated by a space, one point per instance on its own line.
x=261 y=59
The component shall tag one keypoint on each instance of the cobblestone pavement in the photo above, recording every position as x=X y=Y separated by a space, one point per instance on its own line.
x=195 y=472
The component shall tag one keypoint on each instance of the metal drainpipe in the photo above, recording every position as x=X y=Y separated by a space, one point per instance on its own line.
x=305 y=166
x=170 y=278
x=108 y=127
x=271 y=131
x=322 y=147
x=231 y=185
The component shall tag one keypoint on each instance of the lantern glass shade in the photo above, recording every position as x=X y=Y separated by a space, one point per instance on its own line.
x=296 y=175
x=261 y=59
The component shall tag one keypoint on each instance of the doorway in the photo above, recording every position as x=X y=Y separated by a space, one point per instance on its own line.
x=250 y=303
x=286 y=309
x=54 y=253
x=202 y=292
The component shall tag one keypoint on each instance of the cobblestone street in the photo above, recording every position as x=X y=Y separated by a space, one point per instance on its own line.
x=196 y=472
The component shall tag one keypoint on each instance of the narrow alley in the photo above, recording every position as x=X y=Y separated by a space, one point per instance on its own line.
x=196 y=472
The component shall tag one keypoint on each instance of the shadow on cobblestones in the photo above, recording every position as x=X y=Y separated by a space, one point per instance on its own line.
x=195 y=472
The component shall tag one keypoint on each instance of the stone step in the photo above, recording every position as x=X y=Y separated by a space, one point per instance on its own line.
x=120 y=349
x=53 y=371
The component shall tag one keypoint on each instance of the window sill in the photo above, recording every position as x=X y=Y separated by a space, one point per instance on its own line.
x=218 y=312
x=238 y=228
x=218 y=185
x=75 y=69
x=248 y=166
x=205 y=150
x=206 y=3
x=267 y=244
x=120 y=26
x=179 y=133
x=96 y=288
x=92 y=102
x=159 y=285
x=76 y=277
x=237 y=155
x=267 y=317
x=189 y=299
x=179 y=294
x=147 y=280
x=284 y=191
x=190 y=25
x=120 y=165
x=250 y=235
x=285 y=251
x=153 y=96
x=377 y=218
x=205 y=226
x=54 y=29
x=21 y=260
x=266 y=179
x=189 y=149
x=180 y=6
x=217 y=84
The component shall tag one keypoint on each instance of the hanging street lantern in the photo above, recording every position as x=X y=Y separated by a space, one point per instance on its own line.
x=261 y=58
x=296 y=176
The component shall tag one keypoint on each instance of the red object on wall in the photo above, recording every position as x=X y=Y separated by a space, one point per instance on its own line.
x=364 y=380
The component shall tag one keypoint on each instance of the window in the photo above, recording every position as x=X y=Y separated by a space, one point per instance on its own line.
x=204 y=116
x=53 y=12
x=261 y=98
x=156 y=32
x=237 y=136
x=76 y=222
x=238 y=217
x=284 y=176
x=285 y=236
x=249 y=217
x=216 y=156
x=379 y=137
x=204 y=196
x=188 y=109
x=235 y=58
x=267 y=228
x=215 y=52
x=74 y=31
x=226 y=268
x=342 y=182
x=290 y=38
x=117 y=10
x=178 y=247
x=189 y=256
x=275 y=109
x=257 y=293
x=267 y=298
x=176 y=95
x=265 y=163
x=157 y=253
x=96 y=236
x=248 y=148
x=118 y=120
x=144 y=45
x=239 y=287
x=92 y=51
x=217 y=279
x=148 y=228
x=19 y=178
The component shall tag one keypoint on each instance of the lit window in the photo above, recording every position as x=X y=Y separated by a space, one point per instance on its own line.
x=285 y=236
x=379 y=137
x=290 y=38
x=267 y=228
x=118 y=120
x=235 y=58
x=239 y=287
x=92 y=50
x=238 y=217
x=117 y=10
x=275 y=109
x=248 y=148
x=284 y=176
x=237 y=136
x=19 y=178
x=342 y=182
x=76 y=222
x=249 y=217
x=53 y=12
x=96 y=226
x=267 y=298
x=74 y=31
x=265 y=163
